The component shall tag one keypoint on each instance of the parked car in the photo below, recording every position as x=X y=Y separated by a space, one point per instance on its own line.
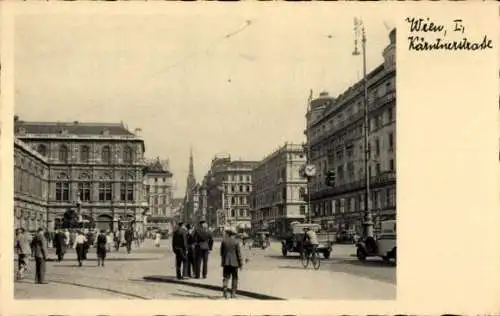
x=383 y=246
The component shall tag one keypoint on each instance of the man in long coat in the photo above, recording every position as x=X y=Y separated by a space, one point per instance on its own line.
x=203 y=245
x=231 y=261
x=60 y=245
x=40 y=252
x=180 y=248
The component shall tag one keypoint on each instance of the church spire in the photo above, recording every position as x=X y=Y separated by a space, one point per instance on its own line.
x=191 y=180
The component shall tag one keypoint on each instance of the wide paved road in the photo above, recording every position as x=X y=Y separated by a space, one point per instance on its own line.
x=267 y=272
x=342 y=259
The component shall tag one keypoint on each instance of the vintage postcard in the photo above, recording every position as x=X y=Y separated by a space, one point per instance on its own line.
x=218 y=158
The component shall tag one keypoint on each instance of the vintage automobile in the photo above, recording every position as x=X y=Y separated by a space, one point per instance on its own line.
x=292 y=242
x=383 y=246
x=261 y=240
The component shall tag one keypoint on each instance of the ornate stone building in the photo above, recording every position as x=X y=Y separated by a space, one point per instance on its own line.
x=335 y=137
x=278 y=189
x=158 y=191
x=227 y=186
x=31 y=173
x=93 y=168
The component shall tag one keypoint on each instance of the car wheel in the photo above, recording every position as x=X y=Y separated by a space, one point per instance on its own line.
x=326 y=254
x=361 y=254
x=386 y=259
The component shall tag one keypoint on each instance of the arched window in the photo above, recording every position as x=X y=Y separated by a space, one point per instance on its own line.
x=84 y=153
x=106 y=154
x=63 y=153
x=42 y=150
x=127 y=155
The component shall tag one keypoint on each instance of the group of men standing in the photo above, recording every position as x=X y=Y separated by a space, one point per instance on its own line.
x=191 y=248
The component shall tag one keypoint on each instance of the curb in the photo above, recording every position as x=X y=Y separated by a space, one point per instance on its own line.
x=255 y=295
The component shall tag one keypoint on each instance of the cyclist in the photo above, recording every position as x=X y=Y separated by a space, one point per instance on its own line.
x=310 y=241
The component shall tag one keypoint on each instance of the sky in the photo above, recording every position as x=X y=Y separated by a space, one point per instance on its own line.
x=223 y=80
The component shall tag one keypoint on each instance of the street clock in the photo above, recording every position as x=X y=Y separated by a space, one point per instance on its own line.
x=310 y=170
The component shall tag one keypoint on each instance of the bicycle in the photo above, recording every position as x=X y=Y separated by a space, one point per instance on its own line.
x=313 y=256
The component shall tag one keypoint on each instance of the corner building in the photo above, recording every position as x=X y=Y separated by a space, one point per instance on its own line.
x=227 y=186
x=335 y=138
x=94 y=168
x=278 y=188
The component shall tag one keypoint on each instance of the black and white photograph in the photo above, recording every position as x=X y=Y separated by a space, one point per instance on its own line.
x=220 y=154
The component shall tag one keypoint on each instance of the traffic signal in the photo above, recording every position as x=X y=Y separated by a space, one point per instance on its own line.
x=331 y=178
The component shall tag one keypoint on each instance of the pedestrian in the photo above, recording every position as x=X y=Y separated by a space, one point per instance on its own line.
x=180 y=247
x=60 y=245
x=137 y=240
x=117 y=240
x=39 y=251
x=129 y=237
x=203 y=245
x=231 y=260
x=67 y=238
x=23 y=251
x=101 y=247
x=109 y=241
x=157 y=239
x=80 y=241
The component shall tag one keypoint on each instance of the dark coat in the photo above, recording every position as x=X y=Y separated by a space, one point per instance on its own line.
x=203 y=239
x=60 y=242
x=230 y=253
x=101 y=241
x=129 y=235
x=179 y=239
x=39 y=246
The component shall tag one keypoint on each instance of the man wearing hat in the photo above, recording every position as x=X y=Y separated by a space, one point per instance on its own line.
x=180 y=248
x=231 y=260
x=203 y=245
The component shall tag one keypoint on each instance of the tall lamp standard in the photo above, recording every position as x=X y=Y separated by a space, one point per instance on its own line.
x=359 y=31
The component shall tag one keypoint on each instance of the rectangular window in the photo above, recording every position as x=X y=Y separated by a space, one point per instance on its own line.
x=390 y=115
x=62 y=191
x=105 y=191
x=391 y=165
x=391 y=141
x=127 y=191
x=302 y=210
x=377 y=147
x=84 y=191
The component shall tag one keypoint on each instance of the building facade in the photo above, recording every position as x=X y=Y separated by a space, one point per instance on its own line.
x=94 y=169
x=278 y=190
x=158 y=191
x=227 y=186
x=335 y=138
x=31 y=187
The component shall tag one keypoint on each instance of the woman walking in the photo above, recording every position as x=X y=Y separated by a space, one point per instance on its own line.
x=101 y=245
x=80 y=242
x=157 y=239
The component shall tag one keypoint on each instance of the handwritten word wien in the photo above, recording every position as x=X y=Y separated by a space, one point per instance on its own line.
x=440 y=42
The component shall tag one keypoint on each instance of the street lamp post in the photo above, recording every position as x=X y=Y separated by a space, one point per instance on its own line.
x=360 y=31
